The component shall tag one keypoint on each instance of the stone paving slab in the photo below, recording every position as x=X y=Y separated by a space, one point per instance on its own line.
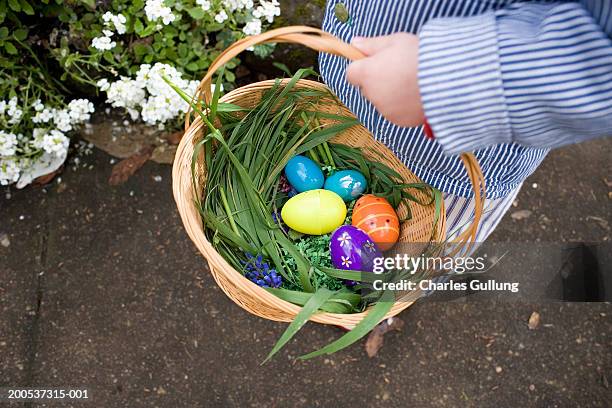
x=128 y=310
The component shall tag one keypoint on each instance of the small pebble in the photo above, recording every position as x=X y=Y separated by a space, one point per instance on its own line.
x=4 y=240
x=22 y=217
x=534 y=185
x=112 y=161
x=157 y=178
x=132 y=193
x=498 y=369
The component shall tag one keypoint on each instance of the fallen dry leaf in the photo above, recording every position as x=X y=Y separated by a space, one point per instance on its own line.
x=47 y=178
x=127 y=167
x=520 y=215
x=534 y=320
x=174 y=138
x=375 y=338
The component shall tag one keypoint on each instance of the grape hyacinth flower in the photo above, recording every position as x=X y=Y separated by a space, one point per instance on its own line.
x=278 y=220
x=259 y=272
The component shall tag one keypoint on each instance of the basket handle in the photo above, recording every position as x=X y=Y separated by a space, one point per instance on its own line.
x=322 y=41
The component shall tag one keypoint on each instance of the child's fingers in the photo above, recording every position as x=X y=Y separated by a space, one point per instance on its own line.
x=355 y=72
x=372 y=45
x=360 y=74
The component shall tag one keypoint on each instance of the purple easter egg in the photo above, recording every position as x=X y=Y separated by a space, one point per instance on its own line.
x=352 y=249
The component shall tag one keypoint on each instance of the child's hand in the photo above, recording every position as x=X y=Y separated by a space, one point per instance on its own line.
x=388 y=76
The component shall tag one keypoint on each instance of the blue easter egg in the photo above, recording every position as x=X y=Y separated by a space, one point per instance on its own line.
x=348 y=184
x=304 y=174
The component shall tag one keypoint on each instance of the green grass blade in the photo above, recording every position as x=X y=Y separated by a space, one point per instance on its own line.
x=376 y=314
x=310 y=308
x=215 y=97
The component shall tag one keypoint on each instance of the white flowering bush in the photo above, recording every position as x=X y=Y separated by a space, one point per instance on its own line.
x=57 y=55
x=148 y=96
x=185 y=34
x=33 y=139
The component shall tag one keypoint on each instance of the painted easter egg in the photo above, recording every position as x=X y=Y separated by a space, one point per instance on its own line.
x=314 y=212
x=304 y=174
x=378 y=219
x=348 y=184
x=352 y=249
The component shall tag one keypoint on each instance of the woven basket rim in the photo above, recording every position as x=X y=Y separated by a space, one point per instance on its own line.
x=184 y=196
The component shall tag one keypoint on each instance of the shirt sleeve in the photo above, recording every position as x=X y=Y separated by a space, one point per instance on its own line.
x=538 y=75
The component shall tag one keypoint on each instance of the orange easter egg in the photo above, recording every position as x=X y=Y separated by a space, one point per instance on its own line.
x=378 y=219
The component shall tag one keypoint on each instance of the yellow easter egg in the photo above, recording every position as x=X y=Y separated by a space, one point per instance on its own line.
x=314 y=212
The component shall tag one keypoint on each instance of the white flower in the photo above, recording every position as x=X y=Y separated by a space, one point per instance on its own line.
x=13 y=111
x=15 y=114
x=80 y=110
x=125 y=93
x=62 y=119
x=267 y=10
x=54 y=142
x=118 y=21
x=8 y=144
x=150 y=94
x=155 y=9
x=9 y=171
x=2 y=107
x=253 y=27
x=103 y=84
x=221 y=17
x=233 y=5
x=38 y=106
x=103 y=43
x=43 y=117
x=205 y=4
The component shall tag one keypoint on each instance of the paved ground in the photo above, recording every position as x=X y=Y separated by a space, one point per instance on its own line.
x=100 y=288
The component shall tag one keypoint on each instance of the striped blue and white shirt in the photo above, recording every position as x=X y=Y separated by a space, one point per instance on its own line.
x=507 y=79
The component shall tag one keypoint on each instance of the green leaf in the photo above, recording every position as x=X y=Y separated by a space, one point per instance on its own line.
x=215 y=98
x=310 y=308
x=4 y=31
x=140 y=49
x=183 y=50
x=334 y=305
x=374 y=316
x=138 y=26
x=229 y=75
x=10 y=48
x=89 y=3
x=196 y=12
x=229 y=107
x=20 y=34
x=14 y=5
x=108 y=56
x=192 y=66
x=214 y=26
x=149 y=30
x=27 y=8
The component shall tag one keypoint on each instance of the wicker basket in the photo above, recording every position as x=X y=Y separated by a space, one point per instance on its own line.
x=242 y=291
